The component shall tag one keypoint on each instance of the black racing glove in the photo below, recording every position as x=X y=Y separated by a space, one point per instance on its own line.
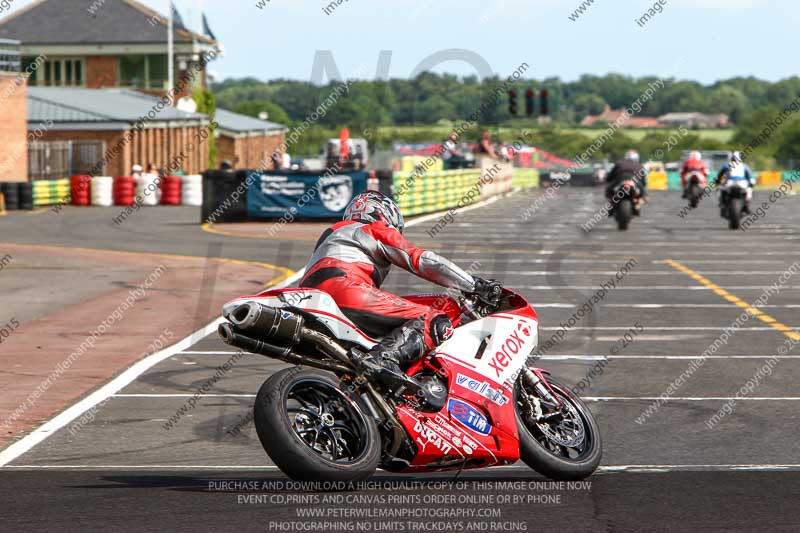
x=488 y=291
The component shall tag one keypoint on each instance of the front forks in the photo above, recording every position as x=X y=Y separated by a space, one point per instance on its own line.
x=535 y=379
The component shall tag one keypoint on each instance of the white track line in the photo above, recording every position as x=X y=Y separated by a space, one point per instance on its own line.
x=108 y=390
x=111 y=388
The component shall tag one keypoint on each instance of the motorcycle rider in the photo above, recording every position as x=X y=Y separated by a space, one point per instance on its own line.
x=735 y=171
x=693 y=164
x=628 y=168
x=350 y=262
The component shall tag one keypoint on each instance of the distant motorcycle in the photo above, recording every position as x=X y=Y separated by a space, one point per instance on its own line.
x=695 y=183
x=733 y=201
x=625 y=202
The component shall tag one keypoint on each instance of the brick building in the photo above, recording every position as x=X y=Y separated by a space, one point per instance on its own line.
x=113 y=44
x=13 y=124
x=124 y=128
x=247 y=142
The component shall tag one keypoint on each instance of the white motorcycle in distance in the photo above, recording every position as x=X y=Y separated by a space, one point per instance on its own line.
x=735 y=196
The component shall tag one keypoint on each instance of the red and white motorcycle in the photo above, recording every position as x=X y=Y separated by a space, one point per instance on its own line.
x=479 y=402
x=695 y=188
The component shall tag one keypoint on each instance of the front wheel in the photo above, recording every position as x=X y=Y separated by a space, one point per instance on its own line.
x=313 y=430
x=565 y=448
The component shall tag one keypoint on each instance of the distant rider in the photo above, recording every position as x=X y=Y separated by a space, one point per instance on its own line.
x=692 y=165
x=628 y=168
x=350 y=262
x=735 y=171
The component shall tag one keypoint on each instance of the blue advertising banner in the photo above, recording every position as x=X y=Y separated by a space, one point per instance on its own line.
x=304 y=195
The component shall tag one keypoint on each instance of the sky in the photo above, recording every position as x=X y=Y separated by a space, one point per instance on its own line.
x=703 y=40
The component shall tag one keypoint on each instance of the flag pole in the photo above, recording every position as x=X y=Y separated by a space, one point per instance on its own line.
x=170 y=53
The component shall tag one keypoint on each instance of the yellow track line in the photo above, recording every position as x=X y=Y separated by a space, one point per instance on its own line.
x=762 y=316
x=286 y=273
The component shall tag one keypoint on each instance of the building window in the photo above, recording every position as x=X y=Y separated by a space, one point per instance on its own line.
x=67 y=72
x=143 y=71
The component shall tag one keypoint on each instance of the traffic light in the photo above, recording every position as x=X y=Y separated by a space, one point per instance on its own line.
x=529 y=103
x=544 y=104
x=512 y=102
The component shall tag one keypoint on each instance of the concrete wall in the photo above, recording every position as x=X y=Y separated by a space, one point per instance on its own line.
x=13 y=128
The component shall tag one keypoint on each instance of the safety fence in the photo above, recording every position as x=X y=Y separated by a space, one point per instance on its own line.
x=671 y=181
x=104 y=191
x=430 y=192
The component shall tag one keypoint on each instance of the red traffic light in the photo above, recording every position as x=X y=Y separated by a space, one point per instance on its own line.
x=544 y=104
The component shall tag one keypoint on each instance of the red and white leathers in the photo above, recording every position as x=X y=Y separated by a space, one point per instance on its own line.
x=690 y=166
x=351 y=261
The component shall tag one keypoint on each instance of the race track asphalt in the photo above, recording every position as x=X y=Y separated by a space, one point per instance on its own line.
x=664 y=468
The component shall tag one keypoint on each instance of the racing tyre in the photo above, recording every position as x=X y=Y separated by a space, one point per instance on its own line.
x=565 y=449
x=313 y=429
x=694 y=196
x=624 y=212
x=735 y=212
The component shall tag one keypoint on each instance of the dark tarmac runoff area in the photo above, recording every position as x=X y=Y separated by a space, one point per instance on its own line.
x=680 y=334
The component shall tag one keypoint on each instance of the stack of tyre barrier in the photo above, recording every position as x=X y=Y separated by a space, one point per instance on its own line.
x=171 y=190
x=25 y=193
x=148 y=189
x=224 y=196
x=11 y=195
x=51 y=192
x=80 y=188
x=102 y=191
x=124 y=191
x=436 y=191
x=192 y=190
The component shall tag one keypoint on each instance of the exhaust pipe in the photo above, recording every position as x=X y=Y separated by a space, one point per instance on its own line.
x=264 y=322
x=232 y=337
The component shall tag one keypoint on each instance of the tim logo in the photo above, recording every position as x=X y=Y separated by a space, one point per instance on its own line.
x=469 y=416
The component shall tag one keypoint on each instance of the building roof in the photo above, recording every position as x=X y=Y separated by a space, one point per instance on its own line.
x=49 y=22
x=611 y=116
x=114 y=109
x=236 y=123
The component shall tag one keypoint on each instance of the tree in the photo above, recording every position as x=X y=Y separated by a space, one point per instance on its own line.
x=207 y=104
x=253 y=108
x=588 y=104
x=727 y=100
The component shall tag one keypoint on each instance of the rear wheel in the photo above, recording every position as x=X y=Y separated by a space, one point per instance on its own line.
x=735 y=212
x=694 y=196
x=623 y=213
x=564 y=448
x=313 y=430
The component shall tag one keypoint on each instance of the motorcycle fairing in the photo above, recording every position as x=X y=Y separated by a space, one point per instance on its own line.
x=478 y=394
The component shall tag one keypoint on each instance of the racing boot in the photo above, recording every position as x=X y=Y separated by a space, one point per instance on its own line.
x=403 y=345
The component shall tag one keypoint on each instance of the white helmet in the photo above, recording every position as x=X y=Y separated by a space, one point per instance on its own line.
x=632 y=155
x=695 y=156
x=372 y=206
x=736 y=157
